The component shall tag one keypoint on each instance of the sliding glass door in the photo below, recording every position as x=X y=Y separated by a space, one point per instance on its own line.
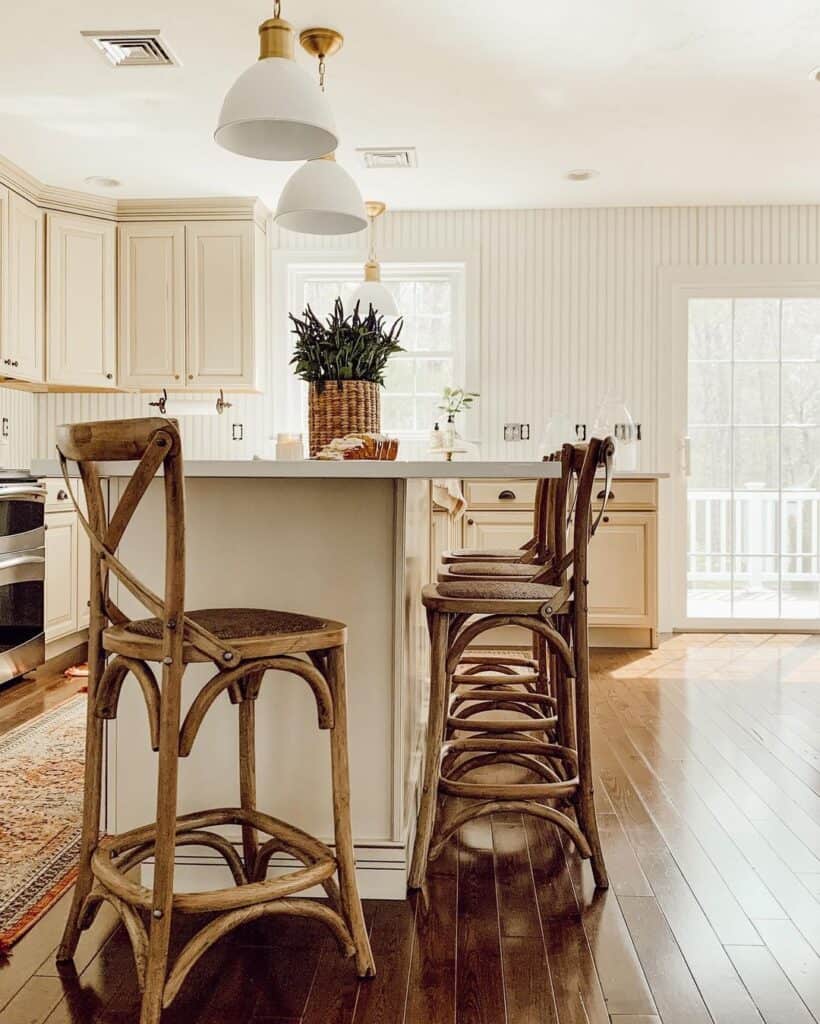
x=753 y=460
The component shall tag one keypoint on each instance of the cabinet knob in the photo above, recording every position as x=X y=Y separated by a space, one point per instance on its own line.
x=506 y=496
x=62 y=496
x=470 y=522
x=176 y=376
x=606 y=519
x=14 y=362
x=109 y=376
x=190 y=376
x=7 y=362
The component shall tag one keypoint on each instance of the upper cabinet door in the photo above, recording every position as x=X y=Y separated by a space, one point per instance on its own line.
x=152 y=305
x=82 y=336
x=221 y=324
x=24 y=351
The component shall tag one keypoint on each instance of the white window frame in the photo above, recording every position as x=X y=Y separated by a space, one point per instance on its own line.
x=290 y=267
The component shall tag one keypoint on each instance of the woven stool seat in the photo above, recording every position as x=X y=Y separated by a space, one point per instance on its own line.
x=255 y=632
x=482 y=554
x=519 y=570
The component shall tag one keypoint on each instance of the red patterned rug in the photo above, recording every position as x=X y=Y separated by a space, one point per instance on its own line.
x=41 y=795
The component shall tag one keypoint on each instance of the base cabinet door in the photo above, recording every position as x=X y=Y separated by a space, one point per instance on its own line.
x=82 y=325
x=152 y=305
x=622 y=570
x=24 y=351
x=497 y=529
x=61 y=575
x=500 y=529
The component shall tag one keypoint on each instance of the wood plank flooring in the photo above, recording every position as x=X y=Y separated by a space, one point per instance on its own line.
x=707 y=756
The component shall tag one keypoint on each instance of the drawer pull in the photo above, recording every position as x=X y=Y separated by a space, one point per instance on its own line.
x=62 y=496
x=506 y=496
x=609 y=497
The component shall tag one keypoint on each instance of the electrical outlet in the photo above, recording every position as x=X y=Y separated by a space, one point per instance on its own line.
x=516 y=431
x=4 y=431
x=237 y=433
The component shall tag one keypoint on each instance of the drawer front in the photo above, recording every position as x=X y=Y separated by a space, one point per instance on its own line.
x=515 y=494
x=58 y=498
x=628 y=494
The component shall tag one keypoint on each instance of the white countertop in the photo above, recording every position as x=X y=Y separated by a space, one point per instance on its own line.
x=354 y=469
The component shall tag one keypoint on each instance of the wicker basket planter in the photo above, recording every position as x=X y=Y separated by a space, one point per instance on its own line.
x=353 y=408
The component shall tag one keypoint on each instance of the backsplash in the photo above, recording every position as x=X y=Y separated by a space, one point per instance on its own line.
x=18 y=410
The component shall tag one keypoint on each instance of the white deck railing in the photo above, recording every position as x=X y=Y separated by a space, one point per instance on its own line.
x=755 y=527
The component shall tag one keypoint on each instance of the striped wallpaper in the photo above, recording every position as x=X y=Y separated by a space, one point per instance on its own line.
x=566 y=309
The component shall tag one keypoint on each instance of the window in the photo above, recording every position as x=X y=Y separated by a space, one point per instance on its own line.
x=431 y=299
x=754 y=484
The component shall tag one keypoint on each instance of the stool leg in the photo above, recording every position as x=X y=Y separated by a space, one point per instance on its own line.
x=92 y=796
x=584 y=804
x=165 y=850
x=247 y=776
x=345 y=859
x=435 y=734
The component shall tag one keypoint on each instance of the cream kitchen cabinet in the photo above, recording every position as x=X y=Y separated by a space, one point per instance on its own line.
x=81 y=301
x=192 y=305
x=152 y=305
x=22 y=351
x=68 y=564
x=623 y=559
x=61 y=574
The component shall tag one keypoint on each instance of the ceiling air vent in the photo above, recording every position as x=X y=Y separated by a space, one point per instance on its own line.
x=389 y=158
x=139 y=49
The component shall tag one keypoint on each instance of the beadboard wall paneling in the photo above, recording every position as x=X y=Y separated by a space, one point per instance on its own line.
x=567 y=309
x=204 y=437
x=20 y=409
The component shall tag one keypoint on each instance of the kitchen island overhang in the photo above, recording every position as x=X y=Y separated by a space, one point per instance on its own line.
x=350 y=541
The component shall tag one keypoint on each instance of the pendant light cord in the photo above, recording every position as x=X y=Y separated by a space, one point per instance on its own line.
x=277 y=8
x=322 y=69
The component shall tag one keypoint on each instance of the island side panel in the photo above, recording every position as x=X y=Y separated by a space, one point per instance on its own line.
x=322 y=547
x=413 y=547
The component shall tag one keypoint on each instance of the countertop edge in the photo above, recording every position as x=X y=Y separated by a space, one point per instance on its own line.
x=350 y=470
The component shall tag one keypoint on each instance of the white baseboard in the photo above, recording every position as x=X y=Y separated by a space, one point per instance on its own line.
x=381 y=872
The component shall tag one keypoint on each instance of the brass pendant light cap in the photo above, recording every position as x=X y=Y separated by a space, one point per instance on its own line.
x=372 y=271
x=374 y=209
x=321 y=42
x=276 y=39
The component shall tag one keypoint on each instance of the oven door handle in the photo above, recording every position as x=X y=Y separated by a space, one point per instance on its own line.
x=22 y=569
x=22 y=492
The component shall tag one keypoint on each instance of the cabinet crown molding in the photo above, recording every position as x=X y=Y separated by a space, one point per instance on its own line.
x=62 y=200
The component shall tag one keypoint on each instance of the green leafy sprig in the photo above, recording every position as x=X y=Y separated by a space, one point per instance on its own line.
x=456 y=400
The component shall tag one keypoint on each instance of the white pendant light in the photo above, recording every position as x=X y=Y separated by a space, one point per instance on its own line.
x=321 y=198
x=274 y=110
x=373 y=292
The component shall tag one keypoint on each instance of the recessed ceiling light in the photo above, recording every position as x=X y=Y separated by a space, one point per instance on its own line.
x=581 y=174
x=98 y=181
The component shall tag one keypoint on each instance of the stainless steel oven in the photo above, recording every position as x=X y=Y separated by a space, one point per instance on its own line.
x=22 y=575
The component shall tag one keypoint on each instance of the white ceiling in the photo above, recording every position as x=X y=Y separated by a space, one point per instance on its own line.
x=672 y=101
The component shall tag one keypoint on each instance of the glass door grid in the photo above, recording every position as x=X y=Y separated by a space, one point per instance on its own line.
x=753 y=502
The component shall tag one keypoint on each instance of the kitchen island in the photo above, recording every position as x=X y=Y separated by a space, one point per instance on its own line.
x=346 y=540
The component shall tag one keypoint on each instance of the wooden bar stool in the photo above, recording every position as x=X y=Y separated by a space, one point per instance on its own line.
x=242 y=644
x=548 y=566
x=458 y=613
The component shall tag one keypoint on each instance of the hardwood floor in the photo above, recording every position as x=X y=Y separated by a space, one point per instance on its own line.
x=707 y=757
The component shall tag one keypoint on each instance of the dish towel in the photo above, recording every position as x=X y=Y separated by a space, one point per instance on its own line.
x=447 y=494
